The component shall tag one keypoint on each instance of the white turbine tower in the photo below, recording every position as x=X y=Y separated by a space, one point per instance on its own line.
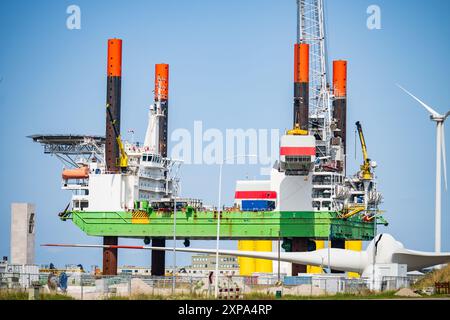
x=440 y=152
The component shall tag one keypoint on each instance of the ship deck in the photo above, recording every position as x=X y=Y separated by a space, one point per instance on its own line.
x=233 y=225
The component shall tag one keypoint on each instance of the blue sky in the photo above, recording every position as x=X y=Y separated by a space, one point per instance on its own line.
x=231 y=67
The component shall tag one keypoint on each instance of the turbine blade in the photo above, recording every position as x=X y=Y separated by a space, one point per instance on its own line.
x=444 y=156
x=416 y=260
x=343 y=260
x=446 y=115
x=429 y=109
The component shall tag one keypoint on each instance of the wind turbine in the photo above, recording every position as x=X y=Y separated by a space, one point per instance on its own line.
x=440 y=151
x=382 y=249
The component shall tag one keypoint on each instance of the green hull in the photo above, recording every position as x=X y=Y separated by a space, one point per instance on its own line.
x=234 y=225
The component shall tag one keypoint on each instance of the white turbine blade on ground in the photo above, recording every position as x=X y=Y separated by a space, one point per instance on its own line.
x=429 y=109
x=341 y=259
x=444 y=156
x=417 y=260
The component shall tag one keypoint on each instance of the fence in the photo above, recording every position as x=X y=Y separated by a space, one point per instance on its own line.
x=442 y=287
x=92 y=287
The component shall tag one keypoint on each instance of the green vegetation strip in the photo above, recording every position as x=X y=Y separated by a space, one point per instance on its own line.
x=23 y=295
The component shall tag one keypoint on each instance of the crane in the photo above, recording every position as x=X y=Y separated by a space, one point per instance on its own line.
x=123 y=158
x=366 y=167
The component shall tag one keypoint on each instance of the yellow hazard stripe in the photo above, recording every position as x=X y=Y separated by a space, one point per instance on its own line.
x=140 y=217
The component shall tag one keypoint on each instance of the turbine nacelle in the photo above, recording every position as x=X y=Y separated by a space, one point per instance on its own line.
x=382 y=249
x=438 y=118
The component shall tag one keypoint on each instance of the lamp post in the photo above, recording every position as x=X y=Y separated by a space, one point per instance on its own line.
x=279 y=263
x=216 y=287
x=329 y=253
x=175 y=236
x=174 y=244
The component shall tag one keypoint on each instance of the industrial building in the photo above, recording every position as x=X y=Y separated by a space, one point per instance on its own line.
x=205 y=264
x=134 y=270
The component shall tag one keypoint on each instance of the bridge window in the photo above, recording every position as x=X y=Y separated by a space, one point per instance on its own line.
x=80 y=204
x=84 y=204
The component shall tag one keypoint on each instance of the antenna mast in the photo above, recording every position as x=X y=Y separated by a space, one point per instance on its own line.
x=311 y=30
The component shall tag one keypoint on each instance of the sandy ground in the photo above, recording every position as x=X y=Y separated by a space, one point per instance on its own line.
x=406 y=292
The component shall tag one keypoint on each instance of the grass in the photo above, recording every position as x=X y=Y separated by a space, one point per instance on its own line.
x=264 y=296
x=159 y=297
x=23 y=295
x=338 y=296
x=48 y=296
x=441 y=275
x=438 y=275
x=13 y=295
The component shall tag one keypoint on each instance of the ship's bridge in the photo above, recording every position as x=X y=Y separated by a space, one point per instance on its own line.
x=297 y=154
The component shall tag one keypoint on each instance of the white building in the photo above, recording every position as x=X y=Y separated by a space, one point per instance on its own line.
x=203 y=264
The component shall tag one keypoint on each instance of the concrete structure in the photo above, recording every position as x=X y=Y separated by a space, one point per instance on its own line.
x=22 y=233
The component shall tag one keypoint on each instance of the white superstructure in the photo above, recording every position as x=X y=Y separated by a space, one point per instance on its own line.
x=149 y=176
